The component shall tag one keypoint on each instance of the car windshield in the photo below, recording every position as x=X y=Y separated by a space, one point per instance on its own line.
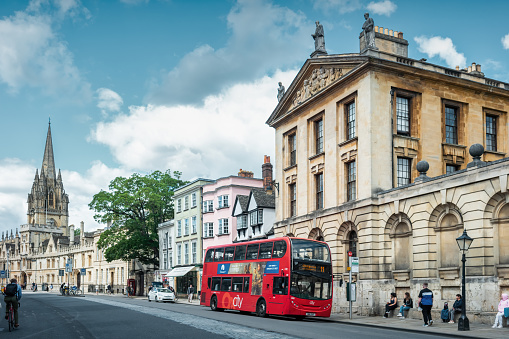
x=310 y=286
x=309 y=250
x=165 y=290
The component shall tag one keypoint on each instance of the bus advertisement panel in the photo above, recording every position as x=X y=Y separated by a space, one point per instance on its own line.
x=284 y=276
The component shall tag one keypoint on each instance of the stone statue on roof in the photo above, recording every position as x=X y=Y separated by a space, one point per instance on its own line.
x=369 y=33
x=319 y=38
x=280 y=91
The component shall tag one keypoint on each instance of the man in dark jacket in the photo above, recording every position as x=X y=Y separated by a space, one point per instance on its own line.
x=12 y=296
x=456 y=308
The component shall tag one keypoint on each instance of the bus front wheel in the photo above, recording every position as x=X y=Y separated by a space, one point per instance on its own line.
x=213 y=304
x=261 y=308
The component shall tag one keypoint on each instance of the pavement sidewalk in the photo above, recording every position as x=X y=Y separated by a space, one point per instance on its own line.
x=404 y=325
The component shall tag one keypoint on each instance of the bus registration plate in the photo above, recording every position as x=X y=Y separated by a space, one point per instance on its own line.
x=310 y=314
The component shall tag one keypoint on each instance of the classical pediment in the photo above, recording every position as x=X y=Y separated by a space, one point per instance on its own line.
x=313 y=79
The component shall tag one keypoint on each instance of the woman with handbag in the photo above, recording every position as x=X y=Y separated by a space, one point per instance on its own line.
x=503 y=304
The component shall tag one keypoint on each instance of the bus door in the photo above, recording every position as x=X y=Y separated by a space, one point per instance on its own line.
x=279 y=294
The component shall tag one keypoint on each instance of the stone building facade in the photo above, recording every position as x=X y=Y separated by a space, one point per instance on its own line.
x=350 y=131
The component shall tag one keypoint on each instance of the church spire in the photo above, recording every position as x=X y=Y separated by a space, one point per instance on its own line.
x=48 y=162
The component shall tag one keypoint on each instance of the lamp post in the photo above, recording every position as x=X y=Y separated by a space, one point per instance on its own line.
x=464 y=242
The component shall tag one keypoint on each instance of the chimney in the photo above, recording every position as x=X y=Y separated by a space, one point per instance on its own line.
x=71 y=235
x=82 y=232
x=245 y=174
x=267 y=173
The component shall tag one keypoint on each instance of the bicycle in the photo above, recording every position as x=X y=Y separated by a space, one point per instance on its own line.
x=10 y=317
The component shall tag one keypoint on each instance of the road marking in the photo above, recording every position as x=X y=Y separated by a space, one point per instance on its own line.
x=209 y=325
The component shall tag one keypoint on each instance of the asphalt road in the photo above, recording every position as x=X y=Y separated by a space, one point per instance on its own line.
x=53 y=316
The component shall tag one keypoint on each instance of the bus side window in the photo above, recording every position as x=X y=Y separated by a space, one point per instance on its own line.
x=280 y=285
x=279 y=249
x=252 y=252
x=216 y=284
x=209 y=256
x=237 y=284
x=228 y=253
x=265 y=250
x=209 y=282
x=240 y=252
x=219 y=254
x=226 y=284
x=246 y=284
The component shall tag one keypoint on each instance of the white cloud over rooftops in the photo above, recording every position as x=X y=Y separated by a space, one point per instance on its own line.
x=385 y=7
x=443 y=48
x=108 y=101
x=281 y=38
x=216 y=139
x=505 y=41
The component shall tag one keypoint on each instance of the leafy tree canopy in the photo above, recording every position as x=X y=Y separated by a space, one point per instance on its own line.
x=135 y=206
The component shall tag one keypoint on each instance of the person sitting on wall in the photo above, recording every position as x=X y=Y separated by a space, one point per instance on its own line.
x=456 y=308
x=391 y=305
x=504 y=303
x=407 y=304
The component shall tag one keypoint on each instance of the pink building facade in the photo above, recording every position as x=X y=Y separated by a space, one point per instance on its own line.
x=219 y=227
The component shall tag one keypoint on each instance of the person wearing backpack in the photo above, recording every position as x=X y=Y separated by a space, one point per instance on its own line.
x=12 y=296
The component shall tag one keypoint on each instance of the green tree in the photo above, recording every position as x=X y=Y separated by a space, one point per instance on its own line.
x=135 y=206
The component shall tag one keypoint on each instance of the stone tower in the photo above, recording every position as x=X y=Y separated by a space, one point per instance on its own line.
x=47 y=202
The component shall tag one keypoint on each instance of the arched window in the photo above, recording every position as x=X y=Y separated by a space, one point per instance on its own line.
x=352 y=243
x=51 y=202
x=401 y=235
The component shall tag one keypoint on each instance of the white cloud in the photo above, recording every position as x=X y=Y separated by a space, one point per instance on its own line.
x=82 y=187
x=385 y=7
x=263 y=37
x=17 y=178
x=33 y=55
x=341 y=6
x=505 y=41
x=216 y=139
x=108 y=101
x=443 y=47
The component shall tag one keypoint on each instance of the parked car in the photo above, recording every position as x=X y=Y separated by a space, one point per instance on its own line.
x=161 y=294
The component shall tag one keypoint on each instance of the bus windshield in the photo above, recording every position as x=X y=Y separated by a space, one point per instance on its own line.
x=309 y=250
x=306 y=285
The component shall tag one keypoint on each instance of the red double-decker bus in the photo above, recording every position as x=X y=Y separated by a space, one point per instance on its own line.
x=283 y=276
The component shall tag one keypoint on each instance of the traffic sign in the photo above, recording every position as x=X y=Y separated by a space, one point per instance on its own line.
x=3 y=274
x=83 y=271
x=68 y=268
x=350 y=253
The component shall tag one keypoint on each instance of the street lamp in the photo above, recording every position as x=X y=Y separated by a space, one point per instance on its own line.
x=464 y=242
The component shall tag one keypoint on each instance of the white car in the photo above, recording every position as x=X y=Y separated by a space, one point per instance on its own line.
x=161 y=294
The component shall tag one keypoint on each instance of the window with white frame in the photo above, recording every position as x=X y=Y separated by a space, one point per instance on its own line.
x=122 y=275
x=193 y=251
x=208 y=229
x=242 y=221
x=165 y=242
x=208 y=206
x=223 y=226
x=169 y=241
x=256 y=217
x=186 y=226
x=179 y=228
x=193 y=200
x=165 y=260
x=179 y=205
x=170 y=254
x=179 y=254
x=222 y=201
x=186 y=253
x=186 y=203
x=193 y=224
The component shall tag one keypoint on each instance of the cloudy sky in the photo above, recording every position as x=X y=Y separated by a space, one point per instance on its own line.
x=143 y=85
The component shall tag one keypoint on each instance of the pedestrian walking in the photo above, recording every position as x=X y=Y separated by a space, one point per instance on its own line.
x=190 y=292
x=426 y=303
